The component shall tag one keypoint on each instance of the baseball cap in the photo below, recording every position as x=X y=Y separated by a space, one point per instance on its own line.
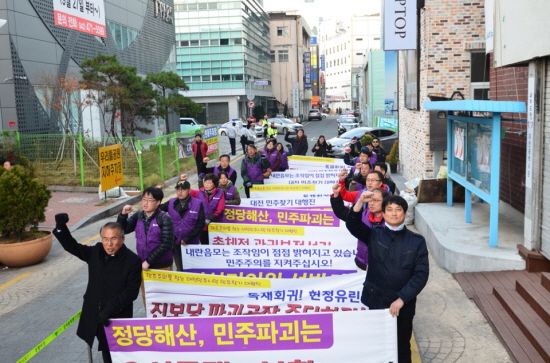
x=183 y=184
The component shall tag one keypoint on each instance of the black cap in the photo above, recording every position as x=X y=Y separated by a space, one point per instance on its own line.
x=183 y=184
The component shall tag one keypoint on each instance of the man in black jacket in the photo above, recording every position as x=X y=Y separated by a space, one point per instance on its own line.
x=114 y=277
x=398 y=266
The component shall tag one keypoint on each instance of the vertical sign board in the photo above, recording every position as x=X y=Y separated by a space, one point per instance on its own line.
x=211 y=139
x=307 y=70
x=399 y=24
x=530 y=130
x=110 y=167
x=83 y=16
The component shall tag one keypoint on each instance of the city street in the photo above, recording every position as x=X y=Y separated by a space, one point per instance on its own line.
x=36 y=301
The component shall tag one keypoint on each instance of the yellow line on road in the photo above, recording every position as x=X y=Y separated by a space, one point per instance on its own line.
x=415 y=354
x=26 y=274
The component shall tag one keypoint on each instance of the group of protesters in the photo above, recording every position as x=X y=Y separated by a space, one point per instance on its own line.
x=395 y=257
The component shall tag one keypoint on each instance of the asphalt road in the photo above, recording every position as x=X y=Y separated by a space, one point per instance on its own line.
x=313 y=129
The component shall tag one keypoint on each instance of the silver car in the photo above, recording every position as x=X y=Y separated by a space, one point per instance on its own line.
x=387 y=138
x=346 y=123
x=284 y=125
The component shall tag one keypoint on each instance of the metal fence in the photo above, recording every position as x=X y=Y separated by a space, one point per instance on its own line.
x=73 y=159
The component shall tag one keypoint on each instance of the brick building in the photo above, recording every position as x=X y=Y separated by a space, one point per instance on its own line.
x=451 y=57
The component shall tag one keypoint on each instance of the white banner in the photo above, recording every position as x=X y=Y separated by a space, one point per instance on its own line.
x=321 y=185
x=400 y=25
x=328 y=174
x=287 y=202
x=314 y=163
x=290 y=191
x=180 y=294
x=83 y=16
x=352 y=337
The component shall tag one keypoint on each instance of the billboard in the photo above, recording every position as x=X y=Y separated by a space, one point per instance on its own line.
x=83 y=16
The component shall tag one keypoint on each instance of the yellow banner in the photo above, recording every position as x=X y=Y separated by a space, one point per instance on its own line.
x=284 y=188
x=204 y=280
x=256 y=229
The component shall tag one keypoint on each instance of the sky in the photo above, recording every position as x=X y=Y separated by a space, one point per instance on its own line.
x=314 y=9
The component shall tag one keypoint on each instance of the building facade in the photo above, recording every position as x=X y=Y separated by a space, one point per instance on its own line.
x=33 y=46
x=223 y=55
x=290 y=39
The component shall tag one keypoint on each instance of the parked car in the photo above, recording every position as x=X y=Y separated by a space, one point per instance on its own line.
x=387 y=138
x=190 y=124
x=283 y=125
x=222 y=129
x=259 y=130
x=346 y=123
x=324 y=115
x=277 y=115
x=314 y=115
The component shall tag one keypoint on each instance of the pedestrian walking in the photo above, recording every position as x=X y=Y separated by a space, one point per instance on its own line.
x=154 y=232
x=254 y=168
x=114 y=277
x=322 y=147
x=299 y=143
x=398 y=266
x=187 y=215
x=232 y=134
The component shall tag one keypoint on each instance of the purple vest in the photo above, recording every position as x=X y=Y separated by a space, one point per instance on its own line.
x=230 y=193
x=147 y=242
x=284 y=160
x=183 y=226
x=229 y=173
x=271 y=156
x=210 y=205
x=254 y=170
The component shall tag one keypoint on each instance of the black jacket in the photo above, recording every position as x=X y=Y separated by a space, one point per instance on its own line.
x=339 y=208
x=299 y=146
x=323 y=149
x=166 y=235
x=113 y=283
x=398 y=264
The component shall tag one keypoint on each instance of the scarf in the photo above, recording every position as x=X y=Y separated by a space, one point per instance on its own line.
x=374 y=219
x=395 y=229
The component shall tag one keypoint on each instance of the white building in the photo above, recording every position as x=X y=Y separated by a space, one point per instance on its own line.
x=344 y=44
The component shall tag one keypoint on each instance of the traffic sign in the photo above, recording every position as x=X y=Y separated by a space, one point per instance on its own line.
x=251 y=104
x=110 y=167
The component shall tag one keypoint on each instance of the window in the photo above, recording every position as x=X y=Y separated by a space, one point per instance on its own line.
x=206 y=78
x=224 y=41
x=479 y=76
x=205 y=42
x=282 y=31
x=272 y=56
x=226 y=77
x=184 y=43
x=358 y=39
x=214 y=42
x=194 y=43
x=238 y=41
x=192 y=6
x=203 y=6
x=216 y=78
x=283 y=56
x=212 y=5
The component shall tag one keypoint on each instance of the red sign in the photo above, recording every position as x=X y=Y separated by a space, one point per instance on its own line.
x=11 y=124
x=251 y=104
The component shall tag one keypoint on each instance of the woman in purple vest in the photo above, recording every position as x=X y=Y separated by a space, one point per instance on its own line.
x=187 y=214
x=284 y=157
x=213 y=201
x=224 y=166
x=254 y=168
x=232 y=196
x=372 y=216
x=272 y=155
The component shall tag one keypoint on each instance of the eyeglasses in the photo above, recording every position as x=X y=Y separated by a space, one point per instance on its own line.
x=373 y=180
x=148 y=200
x=376 y=200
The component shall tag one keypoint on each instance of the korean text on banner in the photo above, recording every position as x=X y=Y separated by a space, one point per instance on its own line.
x=211 y=139
x=312 y=162
x=173 y=294
x=238 y=214
x=300 y=174
x=286 y=202
x=83 y=16
x=318 y=338
x=277 y=261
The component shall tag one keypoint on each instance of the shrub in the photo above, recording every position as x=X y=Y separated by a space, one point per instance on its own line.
x=393 y=156
x=23 y=202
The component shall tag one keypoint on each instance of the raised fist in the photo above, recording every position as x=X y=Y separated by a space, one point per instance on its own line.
x=205 y=160
x=343 y=174
x=61 y=219
x=336 y=188
x=183 y=176
x=126 y=209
